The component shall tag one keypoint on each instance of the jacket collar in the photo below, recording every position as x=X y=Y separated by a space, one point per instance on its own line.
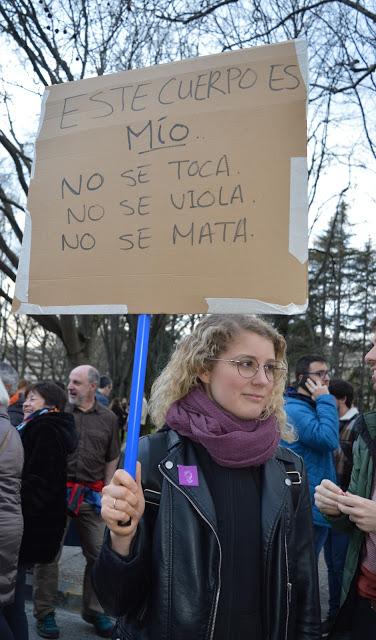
x=181 y=453
x=353 y=411
x=274 y=487
x=293 y=394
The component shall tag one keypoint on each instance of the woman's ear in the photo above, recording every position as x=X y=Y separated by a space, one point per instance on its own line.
x=205 y=377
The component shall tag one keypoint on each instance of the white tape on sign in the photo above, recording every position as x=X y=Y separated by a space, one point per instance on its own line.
x=249 y=305
x=41 y=119
x=302 y=55
x=84 y=309
x=22 y=283
x=298 y=225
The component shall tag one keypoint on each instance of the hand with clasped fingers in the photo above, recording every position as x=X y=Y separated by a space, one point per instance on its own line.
x=316 y=389
x=332 y=501
x=123 y=502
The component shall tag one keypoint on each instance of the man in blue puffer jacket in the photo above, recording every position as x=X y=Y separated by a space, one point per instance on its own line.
x=312 y=411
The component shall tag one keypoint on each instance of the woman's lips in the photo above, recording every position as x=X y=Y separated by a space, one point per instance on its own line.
x=253 y=396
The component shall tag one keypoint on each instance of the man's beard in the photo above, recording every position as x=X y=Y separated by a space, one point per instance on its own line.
x=76 y=400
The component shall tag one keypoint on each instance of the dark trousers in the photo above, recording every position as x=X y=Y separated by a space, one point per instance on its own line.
x=90 y=528
x=6 y=632
x=14 y=614
x=335 y=549
x=364 y=621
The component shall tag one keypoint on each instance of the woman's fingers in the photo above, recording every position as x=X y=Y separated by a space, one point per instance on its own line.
x=123 y=500
x=331 y=487
x=138 y=475
x=326 y=497
x=331 y=500
x=361 y=511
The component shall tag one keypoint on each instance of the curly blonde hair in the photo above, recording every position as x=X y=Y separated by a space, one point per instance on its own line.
x=209 y=339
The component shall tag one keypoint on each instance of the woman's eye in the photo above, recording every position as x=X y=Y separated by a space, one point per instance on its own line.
x=247 y=364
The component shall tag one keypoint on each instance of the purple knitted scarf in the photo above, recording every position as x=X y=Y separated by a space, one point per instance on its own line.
x=230 y=441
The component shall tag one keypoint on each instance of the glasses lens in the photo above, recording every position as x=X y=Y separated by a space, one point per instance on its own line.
x=274 y=371
x=248 y=368
x=323 y=373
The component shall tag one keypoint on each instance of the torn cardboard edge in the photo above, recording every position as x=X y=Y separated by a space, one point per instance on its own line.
x=201 y=62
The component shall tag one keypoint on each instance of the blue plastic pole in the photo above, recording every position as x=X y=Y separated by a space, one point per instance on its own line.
x=137 y=393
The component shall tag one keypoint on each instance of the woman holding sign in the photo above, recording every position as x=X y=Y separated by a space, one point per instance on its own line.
x=219 y=540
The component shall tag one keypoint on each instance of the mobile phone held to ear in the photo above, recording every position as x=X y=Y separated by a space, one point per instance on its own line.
x=303 y=383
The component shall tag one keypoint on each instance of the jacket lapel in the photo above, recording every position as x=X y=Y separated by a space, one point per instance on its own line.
x=274 y=490
x=184 y=457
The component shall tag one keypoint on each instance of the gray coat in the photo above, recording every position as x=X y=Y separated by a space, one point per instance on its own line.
x=11 y=521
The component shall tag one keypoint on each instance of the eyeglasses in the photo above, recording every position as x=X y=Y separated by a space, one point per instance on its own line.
x=322 y=373
x=248 y=368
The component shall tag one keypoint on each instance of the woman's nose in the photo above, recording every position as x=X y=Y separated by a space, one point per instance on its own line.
x=260 y=376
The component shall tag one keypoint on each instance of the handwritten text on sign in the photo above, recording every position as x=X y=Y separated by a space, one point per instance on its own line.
x=164 y=187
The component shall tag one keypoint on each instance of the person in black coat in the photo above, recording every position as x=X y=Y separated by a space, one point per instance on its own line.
x=118 y=408
x=48 y=436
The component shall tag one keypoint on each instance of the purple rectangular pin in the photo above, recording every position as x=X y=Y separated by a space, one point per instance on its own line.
x=188 y=475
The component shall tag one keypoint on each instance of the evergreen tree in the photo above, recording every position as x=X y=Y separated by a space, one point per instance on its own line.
x=363 y=311
x=331 y=269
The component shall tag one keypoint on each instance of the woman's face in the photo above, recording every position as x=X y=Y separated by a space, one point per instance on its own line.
x=33 y=402
x=245 y=398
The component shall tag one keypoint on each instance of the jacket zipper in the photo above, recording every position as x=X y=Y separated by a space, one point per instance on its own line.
x=267 y=573
x=219 y=545
x=288 y=591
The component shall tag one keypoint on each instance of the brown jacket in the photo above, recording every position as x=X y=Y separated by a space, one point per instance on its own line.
x=11 y=521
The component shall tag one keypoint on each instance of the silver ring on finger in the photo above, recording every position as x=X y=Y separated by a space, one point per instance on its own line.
x=114 y=505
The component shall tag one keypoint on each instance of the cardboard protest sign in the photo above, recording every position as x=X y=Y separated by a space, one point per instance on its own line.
x=172 y=189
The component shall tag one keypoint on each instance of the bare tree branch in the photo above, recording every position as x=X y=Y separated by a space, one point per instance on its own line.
x=16 y=156
x=5 y=296
x=7 y=270
x=4 y=247
x=349 y=87
x=50 y=323
x=196 y=15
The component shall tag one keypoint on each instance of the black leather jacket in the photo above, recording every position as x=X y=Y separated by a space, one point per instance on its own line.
x=168 y=587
